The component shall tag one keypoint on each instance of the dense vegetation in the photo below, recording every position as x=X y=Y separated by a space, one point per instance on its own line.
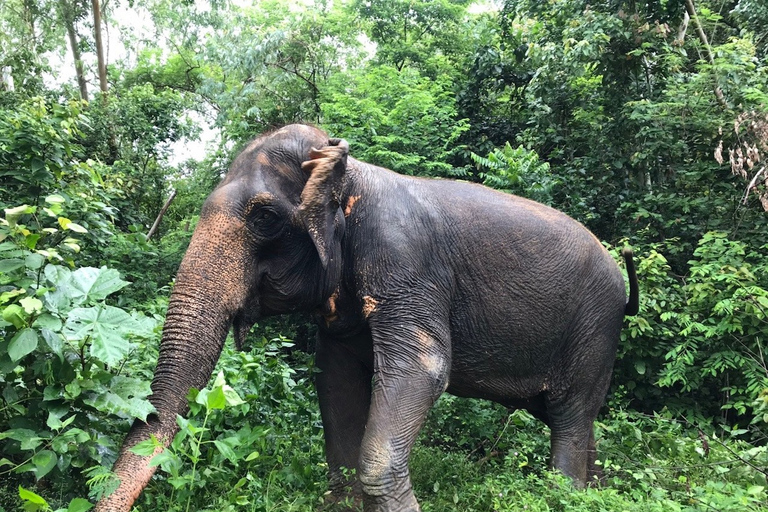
x=647 y=121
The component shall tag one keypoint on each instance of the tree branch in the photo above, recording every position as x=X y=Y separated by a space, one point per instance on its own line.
x=156 y=224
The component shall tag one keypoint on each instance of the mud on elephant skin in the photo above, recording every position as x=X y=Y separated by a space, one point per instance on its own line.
x=419 y=287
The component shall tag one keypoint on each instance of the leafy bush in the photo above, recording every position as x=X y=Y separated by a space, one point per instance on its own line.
x=517 y=171
x=650 y=463
x=62 y=351
x=700 y=336
x=261 y=452
x=396 y=119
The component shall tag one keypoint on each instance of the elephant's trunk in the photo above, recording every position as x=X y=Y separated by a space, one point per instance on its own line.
x=210 y=290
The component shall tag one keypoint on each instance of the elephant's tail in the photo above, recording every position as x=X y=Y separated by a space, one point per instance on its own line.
x=633 y=302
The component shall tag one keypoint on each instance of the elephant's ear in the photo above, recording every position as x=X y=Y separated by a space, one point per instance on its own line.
x=321 y=195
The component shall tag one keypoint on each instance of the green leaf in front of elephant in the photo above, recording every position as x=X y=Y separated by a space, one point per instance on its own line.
x=24 y=342
x=32 y=498
x=79 y=505
x=113 y=404
x=31 y=305
x=214 y=399
x=15 y=315
x=147 y=447
x=54 y=341
x=223 y=445
x=167 y=460
x=44 y=461
x=94 y=284
x=230 y=395
x=127 y=397
x=105 y=326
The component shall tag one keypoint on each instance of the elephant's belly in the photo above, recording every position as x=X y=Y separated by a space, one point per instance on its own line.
x=503 y=366
x=506 y=389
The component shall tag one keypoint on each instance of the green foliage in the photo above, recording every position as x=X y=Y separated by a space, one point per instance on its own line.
x=517 y=171
x=396 y=119
x=61 y=350
x=649 y=463
x=37 y=145
x=418 y=34
x=32 y=502
x=259 y=452
x=702 y=336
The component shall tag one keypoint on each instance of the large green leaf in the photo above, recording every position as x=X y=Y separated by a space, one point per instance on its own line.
x=28 y=438
x=94 y=284
x=14 y=314
x=58 y=300
x=31 y=497
x=106 y=326
x=54 y=341
x=44 y=461
x=58 y=275
x=48 y=321
x=22 y=344
x=79 y=505
x=126 y=397
x=11 y=264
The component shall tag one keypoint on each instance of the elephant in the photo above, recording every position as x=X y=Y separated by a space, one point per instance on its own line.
x=419 y=286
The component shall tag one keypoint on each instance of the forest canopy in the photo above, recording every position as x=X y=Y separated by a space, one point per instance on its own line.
x=645 y=121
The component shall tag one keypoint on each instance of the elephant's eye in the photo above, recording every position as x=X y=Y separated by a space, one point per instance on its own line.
x=266 y=215
x=265 y=221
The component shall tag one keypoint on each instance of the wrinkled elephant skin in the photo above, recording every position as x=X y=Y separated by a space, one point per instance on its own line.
x=419 y=287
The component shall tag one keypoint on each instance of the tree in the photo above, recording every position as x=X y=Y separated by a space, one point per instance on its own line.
x=102 y=65
x=415 y=33
x=70 y=11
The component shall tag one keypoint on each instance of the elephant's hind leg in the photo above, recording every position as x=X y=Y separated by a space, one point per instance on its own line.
x=570 y=443
x=571 y=418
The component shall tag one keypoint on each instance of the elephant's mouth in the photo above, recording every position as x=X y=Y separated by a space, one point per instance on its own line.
x=242 y=322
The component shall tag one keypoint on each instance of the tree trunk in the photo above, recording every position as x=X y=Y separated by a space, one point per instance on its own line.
x=68 y=17
x=99 y=45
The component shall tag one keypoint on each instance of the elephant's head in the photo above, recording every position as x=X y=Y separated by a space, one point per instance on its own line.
x=268 y=242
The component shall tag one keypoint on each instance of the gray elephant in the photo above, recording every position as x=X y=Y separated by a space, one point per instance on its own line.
x=420 y=287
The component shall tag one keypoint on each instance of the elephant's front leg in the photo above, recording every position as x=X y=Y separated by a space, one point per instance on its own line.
x=411 y=368
x=344 y=391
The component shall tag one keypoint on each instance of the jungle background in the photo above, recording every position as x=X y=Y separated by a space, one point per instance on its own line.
x=645 y=120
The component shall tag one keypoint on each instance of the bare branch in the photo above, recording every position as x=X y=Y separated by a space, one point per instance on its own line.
x=156 y=224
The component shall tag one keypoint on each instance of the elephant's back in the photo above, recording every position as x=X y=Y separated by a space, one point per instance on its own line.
x=525 y=276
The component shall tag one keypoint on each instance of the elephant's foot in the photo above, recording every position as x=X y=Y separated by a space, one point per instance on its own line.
x=342 y=501
x=403 y=503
